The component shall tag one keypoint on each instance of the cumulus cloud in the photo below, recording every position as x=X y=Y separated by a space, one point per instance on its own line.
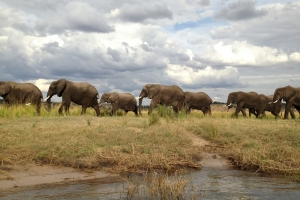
x=121 y=45
x=76 y=16
x=242 y=53
x=142 y=12
x=278 y=29
x=208 y=77
x=240 y=10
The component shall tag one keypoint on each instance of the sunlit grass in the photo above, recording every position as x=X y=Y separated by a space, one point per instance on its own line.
x=162 y=140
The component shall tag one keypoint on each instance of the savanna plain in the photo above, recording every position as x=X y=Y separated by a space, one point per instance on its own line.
x=160 y=141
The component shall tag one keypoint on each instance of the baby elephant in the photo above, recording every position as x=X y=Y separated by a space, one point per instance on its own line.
x=124 y=101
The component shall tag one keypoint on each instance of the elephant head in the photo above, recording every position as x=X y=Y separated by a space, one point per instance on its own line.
x=55 y=88
x=235 y=97
x=150 y=91
x=5 y=88
x=284 y=93
x=108 y=97
x=187 y=100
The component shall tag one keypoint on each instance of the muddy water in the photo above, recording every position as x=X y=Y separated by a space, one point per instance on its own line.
x=217 y=180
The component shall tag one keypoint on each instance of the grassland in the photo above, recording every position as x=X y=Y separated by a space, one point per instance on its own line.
x=161 y=141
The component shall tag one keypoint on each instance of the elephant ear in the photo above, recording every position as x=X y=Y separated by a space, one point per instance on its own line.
x=113 y=97
x=288 y=92
x=187 y=97
x=153 y=90
x=4 y=88
x=61 y=85
x=240 y=96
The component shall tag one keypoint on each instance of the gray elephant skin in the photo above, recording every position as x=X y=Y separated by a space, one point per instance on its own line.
x=244 y=100
x=197 y=100
x=83 y=94
x=162 y=94
x=124 y=101
x=291 y=96
x=21 y=93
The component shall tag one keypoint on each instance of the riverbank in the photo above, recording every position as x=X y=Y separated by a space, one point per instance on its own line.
x=128 y=144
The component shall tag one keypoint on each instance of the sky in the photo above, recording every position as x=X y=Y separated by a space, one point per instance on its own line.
x=216 y=47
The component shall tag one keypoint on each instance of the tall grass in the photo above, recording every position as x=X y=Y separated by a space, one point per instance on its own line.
x=162 y=140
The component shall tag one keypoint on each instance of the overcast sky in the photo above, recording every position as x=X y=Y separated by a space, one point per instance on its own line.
x=215 y=47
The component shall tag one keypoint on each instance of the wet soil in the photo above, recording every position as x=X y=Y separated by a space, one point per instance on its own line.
x=30 y=175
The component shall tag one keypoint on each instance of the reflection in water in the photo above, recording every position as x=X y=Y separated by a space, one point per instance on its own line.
x=212 y=182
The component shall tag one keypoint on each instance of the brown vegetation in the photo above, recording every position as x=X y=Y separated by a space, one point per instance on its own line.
x=160 y=141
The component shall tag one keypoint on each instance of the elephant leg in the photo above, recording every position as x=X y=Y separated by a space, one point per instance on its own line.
x=60 y=109
x=243 y=112
x=114 y=109
x=288 y=108
x=152 y=105
x=175 y=109
x=83 y=110
x=292 y=113
x=38 y=109
x=67 y=108
x=96 y=108
x=136 y=111
x=238 y=109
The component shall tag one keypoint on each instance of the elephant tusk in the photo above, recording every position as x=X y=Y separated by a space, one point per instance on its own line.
x=100 y=104
x=275 y=101
x=47 y=98
x=140 y=98
x=28 y=104
x=270 y=102
x=229 y=104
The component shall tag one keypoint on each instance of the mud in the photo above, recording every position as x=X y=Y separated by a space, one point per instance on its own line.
x=30 y=175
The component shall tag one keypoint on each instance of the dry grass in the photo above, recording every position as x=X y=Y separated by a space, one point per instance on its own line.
x=160 y=141
x=118 y=144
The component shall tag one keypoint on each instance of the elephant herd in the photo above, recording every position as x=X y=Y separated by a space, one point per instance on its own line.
x=86 y=95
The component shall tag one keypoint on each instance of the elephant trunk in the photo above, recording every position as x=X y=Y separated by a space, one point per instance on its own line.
x=48 y=99
x=277 y=104
x=276 y=98
x=229 y=102
x=101 y=101
x=140 y=105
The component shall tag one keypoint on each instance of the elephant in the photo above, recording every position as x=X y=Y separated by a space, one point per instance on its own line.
x=197 y=100
x=244 y=100
x=124 y=101
x=162 y=94
x=83 y=94
x=23 y=93
x=268 y=104
x=291 y=96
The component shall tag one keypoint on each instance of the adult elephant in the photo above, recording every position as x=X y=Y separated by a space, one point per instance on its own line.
x=124 y=101
x=197 y=100
x=291 y=96
x=162 y=94
x=83 y=94
x=270 y=107
x=244 y=100
x=23 y=93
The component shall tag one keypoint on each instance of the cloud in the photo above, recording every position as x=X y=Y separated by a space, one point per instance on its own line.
x=295 y=57
x=208 y=77
x=204 y=2
x=240 y=10
x=142 y=12
x=242 y=53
